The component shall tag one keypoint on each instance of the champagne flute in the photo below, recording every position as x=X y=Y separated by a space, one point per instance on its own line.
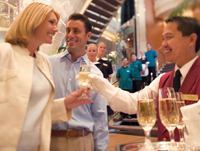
x=168 y=112
x=83 y=77
x=181 y=126
x=146 y=115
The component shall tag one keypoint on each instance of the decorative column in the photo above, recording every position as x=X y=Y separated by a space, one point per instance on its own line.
x=141 y=39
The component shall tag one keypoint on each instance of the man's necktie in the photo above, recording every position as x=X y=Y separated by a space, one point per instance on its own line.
x=177 y=81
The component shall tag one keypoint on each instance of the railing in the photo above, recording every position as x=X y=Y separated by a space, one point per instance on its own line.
x=8 y=13
x=160 y=59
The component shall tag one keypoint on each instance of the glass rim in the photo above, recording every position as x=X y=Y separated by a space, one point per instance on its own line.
x=166 y=88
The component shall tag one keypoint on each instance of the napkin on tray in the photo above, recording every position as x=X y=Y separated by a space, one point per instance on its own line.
x=191 y=118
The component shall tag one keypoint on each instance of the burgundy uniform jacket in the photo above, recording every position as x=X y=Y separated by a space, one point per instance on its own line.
x=190 y=85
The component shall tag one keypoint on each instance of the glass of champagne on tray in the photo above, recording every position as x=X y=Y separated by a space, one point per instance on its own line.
x=146 y=115
x=181 y=126
x=83 y=77
x=168 y=112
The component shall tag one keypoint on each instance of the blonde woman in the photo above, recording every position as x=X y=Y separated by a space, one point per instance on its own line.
x=27 y=105
x=92 y=52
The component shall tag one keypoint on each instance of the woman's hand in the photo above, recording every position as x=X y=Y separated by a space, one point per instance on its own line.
x=72 y=101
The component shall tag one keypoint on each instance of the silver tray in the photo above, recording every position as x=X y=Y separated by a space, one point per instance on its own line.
x=158 y=146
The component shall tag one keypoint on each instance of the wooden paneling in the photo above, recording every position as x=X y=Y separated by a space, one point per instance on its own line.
x=154 y=26
x=154 y=29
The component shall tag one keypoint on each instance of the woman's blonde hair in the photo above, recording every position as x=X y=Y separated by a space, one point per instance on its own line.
x=30 y=18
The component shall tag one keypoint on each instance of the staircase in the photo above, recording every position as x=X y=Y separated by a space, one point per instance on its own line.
x=100 y=13
x=163 y=66
x=167 y=67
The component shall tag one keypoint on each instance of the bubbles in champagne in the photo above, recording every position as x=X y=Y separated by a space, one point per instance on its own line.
x=83 y=75
x=180 y=104
x=168 y=112
x=146 y=113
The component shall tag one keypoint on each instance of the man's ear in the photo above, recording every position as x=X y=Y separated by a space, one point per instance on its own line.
x=88 y=35
x=193 y=39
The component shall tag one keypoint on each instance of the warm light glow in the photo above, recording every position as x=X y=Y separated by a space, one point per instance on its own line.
x=188 y=13
x=3 y=29
x=96 y=28
x=164 y=23
x=62 y=22
x=109 y=35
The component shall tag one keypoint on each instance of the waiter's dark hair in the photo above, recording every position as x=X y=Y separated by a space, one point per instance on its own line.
x=187 y=26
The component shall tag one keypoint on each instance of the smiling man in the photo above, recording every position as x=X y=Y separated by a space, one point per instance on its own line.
x=88 y=128
x=181 y=42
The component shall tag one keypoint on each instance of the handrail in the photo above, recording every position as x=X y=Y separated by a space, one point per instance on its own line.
x=112 y=116
x=161 y=58
x=114 y=82
x=10 y=5
x=7 y=14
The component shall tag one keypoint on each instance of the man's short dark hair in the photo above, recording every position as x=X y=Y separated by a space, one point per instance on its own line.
x=84 y=19
x=124 y=58
x=187 y=26
x=133 y=54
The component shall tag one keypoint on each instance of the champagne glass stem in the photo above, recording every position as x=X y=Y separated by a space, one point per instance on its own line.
x=181 y=131
x=171 y=134
x=182 y=145
x=172 y=142
x=147 y=137
x=84 y=95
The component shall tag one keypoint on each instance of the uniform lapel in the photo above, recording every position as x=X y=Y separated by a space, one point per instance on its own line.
x=169 y=82
x=190 y=77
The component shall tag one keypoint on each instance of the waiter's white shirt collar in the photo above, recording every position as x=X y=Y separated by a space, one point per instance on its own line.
x=185 y=68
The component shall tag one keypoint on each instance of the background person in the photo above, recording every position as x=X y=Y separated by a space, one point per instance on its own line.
x=103 y=63
x=88 y=128
x=151 y=57
x=27 y=90
x=136 y=66
x=105 y=66
x=145 y=70
x=92 y=52
x=181 y=43
x=125 y=78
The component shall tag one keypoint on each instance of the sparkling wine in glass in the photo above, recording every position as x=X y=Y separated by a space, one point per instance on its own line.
x=146 y=115
x=83 y=77
x=181 y=126
x=168 y=111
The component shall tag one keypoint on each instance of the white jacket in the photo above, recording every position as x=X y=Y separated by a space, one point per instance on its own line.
x=16 y=72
